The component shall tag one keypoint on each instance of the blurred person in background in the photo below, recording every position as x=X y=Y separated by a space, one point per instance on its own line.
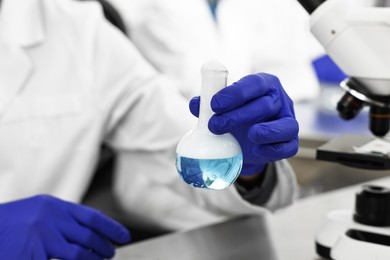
x=178 y=36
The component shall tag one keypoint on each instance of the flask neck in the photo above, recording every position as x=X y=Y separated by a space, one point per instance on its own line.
x=211 y=84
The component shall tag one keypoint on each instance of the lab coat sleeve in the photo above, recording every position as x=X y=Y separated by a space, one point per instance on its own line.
x=156 y=196
x=145 y=117
x=276 y=188
x=286 y=189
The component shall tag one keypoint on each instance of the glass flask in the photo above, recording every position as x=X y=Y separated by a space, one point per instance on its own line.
x=203 y=159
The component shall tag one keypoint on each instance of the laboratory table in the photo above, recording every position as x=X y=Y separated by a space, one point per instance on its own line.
x=245 y=238
x=285 y=235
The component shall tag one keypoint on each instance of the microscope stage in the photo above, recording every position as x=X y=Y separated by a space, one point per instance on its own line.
x=342 y=150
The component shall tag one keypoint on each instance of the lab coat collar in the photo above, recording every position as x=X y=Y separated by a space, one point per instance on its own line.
x=23 y=20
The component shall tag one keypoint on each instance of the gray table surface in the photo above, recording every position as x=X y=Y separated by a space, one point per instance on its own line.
x=245 y=238
x=286 y=235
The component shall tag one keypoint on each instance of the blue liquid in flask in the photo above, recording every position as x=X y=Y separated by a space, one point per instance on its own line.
x=216 y=174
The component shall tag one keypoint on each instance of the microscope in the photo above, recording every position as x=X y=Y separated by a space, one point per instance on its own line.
x=356 y=35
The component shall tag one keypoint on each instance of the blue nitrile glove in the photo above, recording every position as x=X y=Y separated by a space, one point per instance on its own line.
x=259 y=113
x=44 y=227
x=327 y=71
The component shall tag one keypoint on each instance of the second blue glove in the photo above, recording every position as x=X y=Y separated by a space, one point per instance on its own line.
x=44 y=227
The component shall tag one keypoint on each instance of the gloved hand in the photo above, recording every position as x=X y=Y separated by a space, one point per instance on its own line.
x=259 y=113
x=327 y=71
x=43 y=227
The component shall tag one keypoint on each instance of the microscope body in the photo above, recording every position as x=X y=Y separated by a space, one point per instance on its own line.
x=356 y=35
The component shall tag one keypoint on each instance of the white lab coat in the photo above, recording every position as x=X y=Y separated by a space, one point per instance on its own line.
x=178 y=36
x=69 y=81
